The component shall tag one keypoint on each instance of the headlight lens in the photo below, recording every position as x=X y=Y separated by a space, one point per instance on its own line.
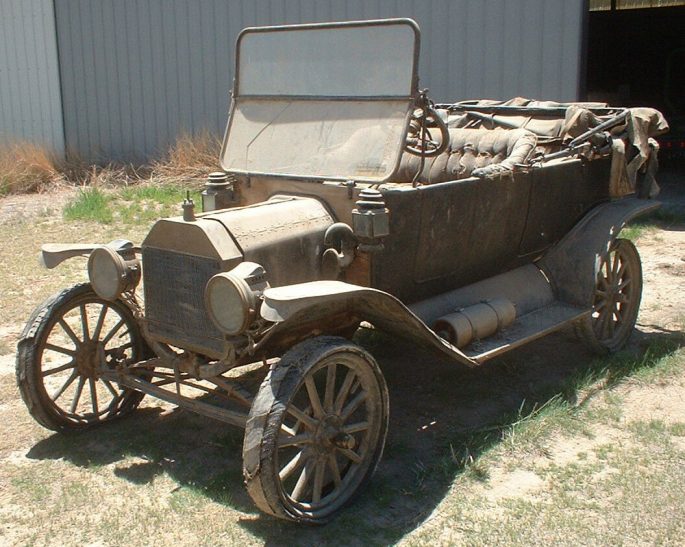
x=231 y=298
x=110 y=275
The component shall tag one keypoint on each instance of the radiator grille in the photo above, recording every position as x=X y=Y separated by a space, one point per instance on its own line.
x=174 y=300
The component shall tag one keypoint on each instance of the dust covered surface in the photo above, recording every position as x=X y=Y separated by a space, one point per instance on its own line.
x=546 y=445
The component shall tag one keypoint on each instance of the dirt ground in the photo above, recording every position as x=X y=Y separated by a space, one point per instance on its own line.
x=165 y=476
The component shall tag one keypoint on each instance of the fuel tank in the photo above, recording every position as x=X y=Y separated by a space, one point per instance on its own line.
x=284 y=234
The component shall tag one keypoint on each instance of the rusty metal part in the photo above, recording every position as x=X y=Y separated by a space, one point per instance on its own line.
x=476 y=322
x=232 y=298
x=295 y=224
x=234 y=390
x=112 y=273
x=525 y=329
x=359 y=271
x=338 y=197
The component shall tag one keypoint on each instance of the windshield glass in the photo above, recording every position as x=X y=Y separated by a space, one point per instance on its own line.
x=322 y=101
x=351 y=61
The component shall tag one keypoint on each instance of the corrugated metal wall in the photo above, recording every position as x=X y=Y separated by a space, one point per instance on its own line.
x=135 y=73
x=30 y=104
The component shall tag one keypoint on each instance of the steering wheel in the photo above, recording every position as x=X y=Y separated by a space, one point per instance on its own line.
x=420 y=140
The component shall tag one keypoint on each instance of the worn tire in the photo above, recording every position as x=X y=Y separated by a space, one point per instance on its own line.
x=618 y=288
x=280 y=393
x=30 y=371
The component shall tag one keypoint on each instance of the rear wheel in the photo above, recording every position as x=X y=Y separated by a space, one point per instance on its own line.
x=69 y=340
x=616 y=300
x=316 y=430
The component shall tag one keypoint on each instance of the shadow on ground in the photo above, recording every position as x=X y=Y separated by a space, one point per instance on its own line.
x=438 y=414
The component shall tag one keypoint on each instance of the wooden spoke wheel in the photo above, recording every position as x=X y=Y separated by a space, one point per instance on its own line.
x=618 y=290
x=67 y=343
x=316 y=430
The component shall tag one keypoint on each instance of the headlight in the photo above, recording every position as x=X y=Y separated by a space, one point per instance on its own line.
x=231 y=297
x=110 y=274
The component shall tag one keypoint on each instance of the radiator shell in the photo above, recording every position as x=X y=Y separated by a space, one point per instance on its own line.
x=284 y=234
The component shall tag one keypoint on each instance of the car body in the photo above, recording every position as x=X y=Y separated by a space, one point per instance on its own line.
x=347 y=197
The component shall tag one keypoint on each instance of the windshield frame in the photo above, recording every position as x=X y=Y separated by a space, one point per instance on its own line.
x=410 y=98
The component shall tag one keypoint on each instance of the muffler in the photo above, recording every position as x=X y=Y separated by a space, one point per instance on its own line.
x=476 y=322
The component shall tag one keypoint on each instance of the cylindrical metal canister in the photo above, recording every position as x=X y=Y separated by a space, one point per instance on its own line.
x=218 y=192
x=476 y=322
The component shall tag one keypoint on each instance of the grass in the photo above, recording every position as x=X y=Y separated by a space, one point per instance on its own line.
x=636 y=230
x=90 y=204
x=131 y=205
x=175 y=478
x=29 y=168
x=26 y=168
x=600 y=493
x=664 y=217
x=192 y=156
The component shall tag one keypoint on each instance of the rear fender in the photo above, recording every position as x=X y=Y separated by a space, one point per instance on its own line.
x=321 y=307
x=572 y=265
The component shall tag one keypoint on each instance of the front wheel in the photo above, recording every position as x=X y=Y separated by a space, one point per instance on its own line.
x=316 y=430
x=616 y=300
x=68 y=341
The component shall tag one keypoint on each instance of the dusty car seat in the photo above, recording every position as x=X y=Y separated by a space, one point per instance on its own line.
x=471 y=152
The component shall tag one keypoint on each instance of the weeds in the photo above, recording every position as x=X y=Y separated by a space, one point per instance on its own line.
x=90 y=204
x=26 y=168
x=659 y=361
x=636 y=230
x=190 y=157
x=131 y=205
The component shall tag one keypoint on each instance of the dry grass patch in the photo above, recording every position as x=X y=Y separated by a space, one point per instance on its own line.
x=26 y=168
x=25 y=284
x=30 y=168
x=190 y=157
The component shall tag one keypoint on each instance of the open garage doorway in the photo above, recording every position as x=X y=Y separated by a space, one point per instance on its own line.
x=636 y=57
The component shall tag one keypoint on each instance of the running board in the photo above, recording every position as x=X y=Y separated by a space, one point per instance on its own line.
x=528 y=327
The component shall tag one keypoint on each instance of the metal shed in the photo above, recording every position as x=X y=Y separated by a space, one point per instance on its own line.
x=128 y=76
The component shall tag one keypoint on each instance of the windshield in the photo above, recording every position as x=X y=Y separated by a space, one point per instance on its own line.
x=322 y=101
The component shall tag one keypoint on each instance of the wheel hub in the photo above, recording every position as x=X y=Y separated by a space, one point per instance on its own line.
x=89 y=358
x=329 y=435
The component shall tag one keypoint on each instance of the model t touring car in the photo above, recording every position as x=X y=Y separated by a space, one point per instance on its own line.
x=348 y=197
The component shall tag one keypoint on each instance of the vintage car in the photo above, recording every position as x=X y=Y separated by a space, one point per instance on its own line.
x=348 y=198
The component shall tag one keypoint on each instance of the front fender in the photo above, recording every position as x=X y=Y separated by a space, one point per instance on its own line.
x=53 y=254
x=572 y=265
x=306 y=309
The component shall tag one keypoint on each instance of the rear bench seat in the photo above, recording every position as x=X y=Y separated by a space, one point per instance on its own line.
x=471 y=153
